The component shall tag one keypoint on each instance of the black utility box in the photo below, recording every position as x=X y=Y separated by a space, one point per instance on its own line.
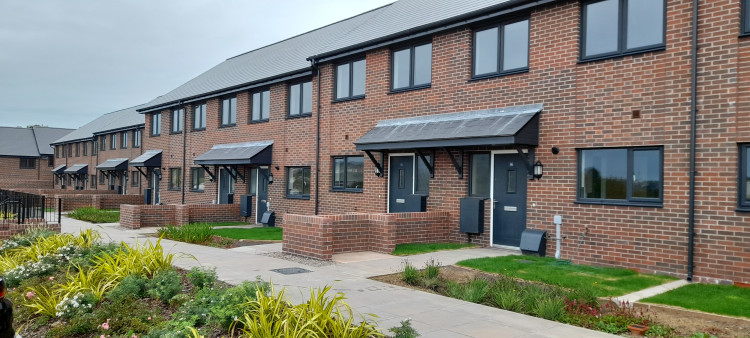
x=416 y=203
x=269 y=218
x=119 y=190
x=246 y=205
x=230 y=198
x=147 y=195
x=472 y=215
x=534 y=242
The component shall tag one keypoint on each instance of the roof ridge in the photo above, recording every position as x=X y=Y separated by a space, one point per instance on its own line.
x=312 y=30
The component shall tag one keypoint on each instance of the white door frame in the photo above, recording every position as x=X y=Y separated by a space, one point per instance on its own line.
x=492 y=193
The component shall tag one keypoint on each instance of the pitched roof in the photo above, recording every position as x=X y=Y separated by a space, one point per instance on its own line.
x=28 y=142
x=120 y=119
x=284 y=57
x=290 y=56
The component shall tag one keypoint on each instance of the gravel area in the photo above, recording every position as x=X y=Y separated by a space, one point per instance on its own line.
x=298 y=259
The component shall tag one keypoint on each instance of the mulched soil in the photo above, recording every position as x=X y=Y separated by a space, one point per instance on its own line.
x=685 y=322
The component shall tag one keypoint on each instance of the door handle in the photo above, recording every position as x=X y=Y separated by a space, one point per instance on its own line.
x=494 y=204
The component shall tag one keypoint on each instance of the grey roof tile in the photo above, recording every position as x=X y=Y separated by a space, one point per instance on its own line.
x=29 y=142
x=120 y=119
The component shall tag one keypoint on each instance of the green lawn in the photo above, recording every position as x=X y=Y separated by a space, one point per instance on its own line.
x=260 y=234
x=223 y=224
x=721 y=299
x=604 y=282
x=94 y=215
x=418 y=248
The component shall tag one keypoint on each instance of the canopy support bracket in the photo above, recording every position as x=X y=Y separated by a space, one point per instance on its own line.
x=459 y=166
x=142 y=172
x=528 y=160
x=429 y=164
x=208 y=171
x=378 y=165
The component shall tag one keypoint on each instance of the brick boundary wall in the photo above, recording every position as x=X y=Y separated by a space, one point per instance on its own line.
x=320 y=237
x=139 y=216
x=65 y=192
x=71 y=202
x=26 y=184
x=10 y=229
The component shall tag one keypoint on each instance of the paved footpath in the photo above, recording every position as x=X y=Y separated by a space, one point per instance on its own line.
x=432 y=315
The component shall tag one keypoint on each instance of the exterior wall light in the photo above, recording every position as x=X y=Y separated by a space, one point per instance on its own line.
x=538 y=169
x=270 y=178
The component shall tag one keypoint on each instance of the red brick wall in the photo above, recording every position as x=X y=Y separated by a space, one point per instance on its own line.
x=8 y=230
x=100 y=201
x=322 y=236
x=137 y=216
x=101 y=156
x=15 y=177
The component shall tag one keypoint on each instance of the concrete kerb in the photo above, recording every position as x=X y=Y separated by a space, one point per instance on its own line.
x=391 y=303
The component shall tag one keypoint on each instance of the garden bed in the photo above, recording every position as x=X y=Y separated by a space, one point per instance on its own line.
x=575 y=306
x=95 y=215
x=206 y=234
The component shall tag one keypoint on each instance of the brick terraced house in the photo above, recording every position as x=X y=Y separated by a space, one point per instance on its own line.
x=626 y=117
x=26 y=156
x=96 y=155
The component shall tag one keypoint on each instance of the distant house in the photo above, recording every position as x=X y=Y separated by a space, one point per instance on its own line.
x=26 y=156
x=95 y=156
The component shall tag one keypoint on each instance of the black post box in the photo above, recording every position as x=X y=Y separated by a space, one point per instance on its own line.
x=119 y=190
x=416 y=203
x=269 y=218
x=472 y=215
x=147 y=195
x=246 y=205
x=534 y=242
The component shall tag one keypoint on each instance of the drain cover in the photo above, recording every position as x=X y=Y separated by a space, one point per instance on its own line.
x=290 y=271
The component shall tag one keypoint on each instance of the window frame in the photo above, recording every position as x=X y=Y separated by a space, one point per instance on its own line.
x=471 y=175
x=351 y=97
x=156 y=124
x=85 y=148
x=221 y=111
x=743 y=203
x=24 y=163
x=177 y=121
x=113 y=141
x=124 y=140
x=286 y=179
x=78 y=149
x=622 y=34
x=94 y=147
x=744 y=7
x=102 y=180
x=629 y=199
x=500 y=49
x=137 y=138
x=346 y=170
x=103 y=143
x=203 y=107
x=135 y=178
x=179 y=175
x=412 y=62
x=301 y=99
x=193 y=171
x=260 y=106
x=93 y=181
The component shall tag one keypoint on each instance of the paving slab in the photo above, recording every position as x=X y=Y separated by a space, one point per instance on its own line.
x=432 y=315
x=631 y=298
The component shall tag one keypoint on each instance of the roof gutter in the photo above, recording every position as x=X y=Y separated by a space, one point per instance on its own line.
x=432 y=28
x=205 y=96
x=693 y=126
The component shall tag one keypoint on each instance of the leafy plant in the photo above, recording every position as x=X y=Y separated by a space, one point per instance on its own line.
x=132 y=287
x=202 y=278
x=405 y=330
x=164 y=285
x=43 y=301
x=507 y=299
x=550 y=308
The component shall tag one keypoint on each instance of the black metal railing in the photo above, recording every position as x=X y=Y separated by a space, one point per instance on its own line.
x=24 y=208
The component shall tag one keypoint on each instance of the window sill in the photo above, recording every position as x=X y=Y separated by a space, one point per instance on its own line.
x=402 y=90
x=298 y=197
x=174 y=189
x=744 y=34
x=623 y=204
x=175 y=132
x=290 y=117
x=348 y=190
x=620 y=55
x=227 y=125
x=199 y=129
x=154 y=135
x=346 y=99
x=259 y=121
x=495 y=75
x=196 y=190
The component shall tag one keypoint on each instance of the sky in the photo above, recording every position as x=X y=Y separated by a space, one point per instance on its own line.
x=64 y=63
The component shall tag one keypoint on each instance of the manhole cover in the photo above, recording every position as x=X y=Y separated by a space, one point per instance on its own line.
x=290 y=271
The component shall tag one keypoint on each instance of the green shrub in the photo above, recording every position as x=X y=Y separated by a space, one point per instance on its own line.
x=164 y=285
x=550 y=308
x=202 y=278
x=95 y=215
x=405 y=330
x=476 y=290
x=507 y=299
x=196 y=233
x=410 y=275
x=131 y=287
x=431 y=269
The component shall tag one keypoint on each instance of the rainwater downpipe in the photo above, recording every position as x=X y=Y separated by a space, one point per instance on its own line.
x=314 y=64
x=693 y=126
x=184 y=148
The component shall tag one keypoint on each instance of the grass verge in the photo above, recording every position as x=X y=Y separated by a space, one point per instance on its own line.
x=604 y=282
x=720 y=299
x=418 y=248
x=260 y=234
x=95 y=215
x=225 y=224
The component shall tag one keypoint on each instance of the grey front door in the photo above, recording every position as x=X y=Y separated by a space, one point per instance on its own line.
x=155 y=173
x=262 y=195
x=226 y=187
x=509 y=200
x=401 y=182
